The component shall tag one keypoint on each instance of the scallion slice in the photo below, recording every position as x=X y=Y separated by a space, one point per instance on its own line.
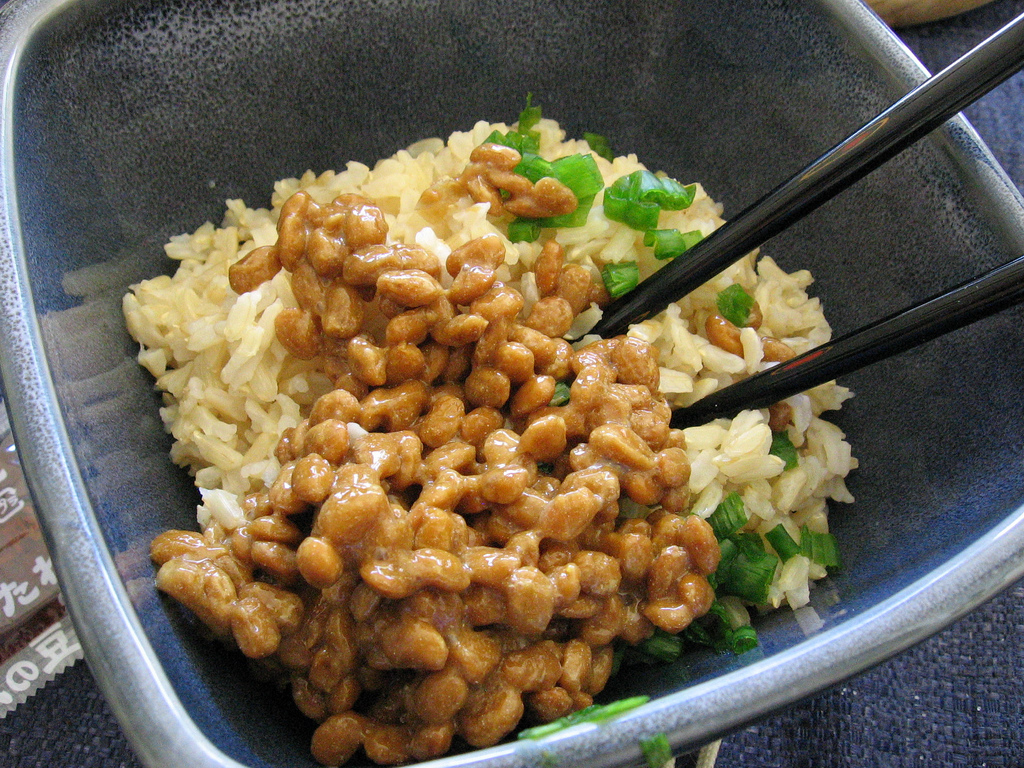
x=734 y=304
x=783 y=447
x=595 y=713
x=579 y=173
x=748 y=575
x=530 y=115
x=669 y=243
x=638 y=214
x=575 y=219
x=729 y=551
x=661 y=646
x=656 y=750
x=496 y=137
x=620 y=278
x=692 y=237
x=750 y=543
x=618 y=656
x=522 y=141
x=534 y=167
x=714 y=631
x=728 y=517
x=629 y=509
x=524 y=231
x=528 y=142
x=668 y=193
x=561 y=396
x=599 y=144
x=743 y=639
x=821 y=548
x=782 y=542
x=697 y=633
x=529 y=118
x=637 y=199
x=545 y=468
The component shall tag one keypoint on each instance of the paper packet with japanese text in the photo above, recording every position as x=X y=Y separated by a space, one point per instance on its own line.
x=37 y=641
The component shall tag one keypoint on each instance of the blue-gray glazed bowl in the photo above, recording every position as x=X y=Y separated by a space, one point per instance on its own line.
x=125 y=123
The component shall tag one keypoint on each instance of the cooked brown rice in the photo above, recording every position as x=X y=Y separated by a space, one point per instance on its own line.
x=230 y=388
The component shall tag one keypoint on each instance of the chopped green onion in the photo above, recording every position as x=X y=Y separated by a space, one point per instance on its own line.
x=617 y=657
x=637 y=199
x=734 y=305
x=729 y=551
x=750 y=543
x=699 y=634
x=523 y=231
x=545 y=468
x=579 y=173
x=728 y=517
x=561 y=396
x=530 y=115
x=714 y=631
x=620 y=278
x=782 y=542
x=633 y=213
x=534 y=167
x=783 y=447
x=661 y=646
x=667 y=192
x=719 y=611
x=669 y=243
x=529 y=142
x=745 y=572
x=496 y=137
x=524 y=140
x=599 y=144
x=520 y=142
x=595 y=713
x=821 y=548
x=575 y=219
x=632 y=510
x=692 y=237
x=657 y=750
x=528 y=118
x=743 y=639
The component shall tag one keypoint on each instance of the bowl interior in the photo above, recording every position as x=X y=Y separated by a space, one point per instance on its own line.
x=134 y=122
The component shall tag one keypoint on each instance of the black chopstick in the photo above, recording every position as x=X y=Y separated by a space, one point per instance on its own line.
x=996 y=290
x=922 y=110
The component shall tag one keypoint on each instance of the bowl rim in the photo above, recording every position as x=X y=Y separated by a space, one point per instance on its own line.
x=126 y=667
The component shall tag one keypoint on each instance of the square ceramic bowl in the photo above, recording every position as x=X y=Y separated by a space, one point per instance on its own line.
x=125 y=123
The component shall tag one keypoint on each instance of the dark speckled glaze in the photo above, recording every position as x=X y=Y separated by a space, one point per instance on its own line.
x=124 y=123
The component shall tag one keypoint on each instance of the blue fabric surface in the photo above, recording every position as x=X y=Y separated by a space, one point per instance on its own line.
x=954 y=700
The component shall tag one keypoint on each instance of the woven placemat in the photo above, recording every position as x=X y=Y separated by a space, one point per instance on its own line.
x=954 y=700
x=67 y=724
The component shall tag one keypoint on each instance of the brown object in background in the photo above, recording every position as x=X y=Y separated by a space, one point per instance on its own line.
x=905 y=13
x=27 y=583
x=37 y=641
